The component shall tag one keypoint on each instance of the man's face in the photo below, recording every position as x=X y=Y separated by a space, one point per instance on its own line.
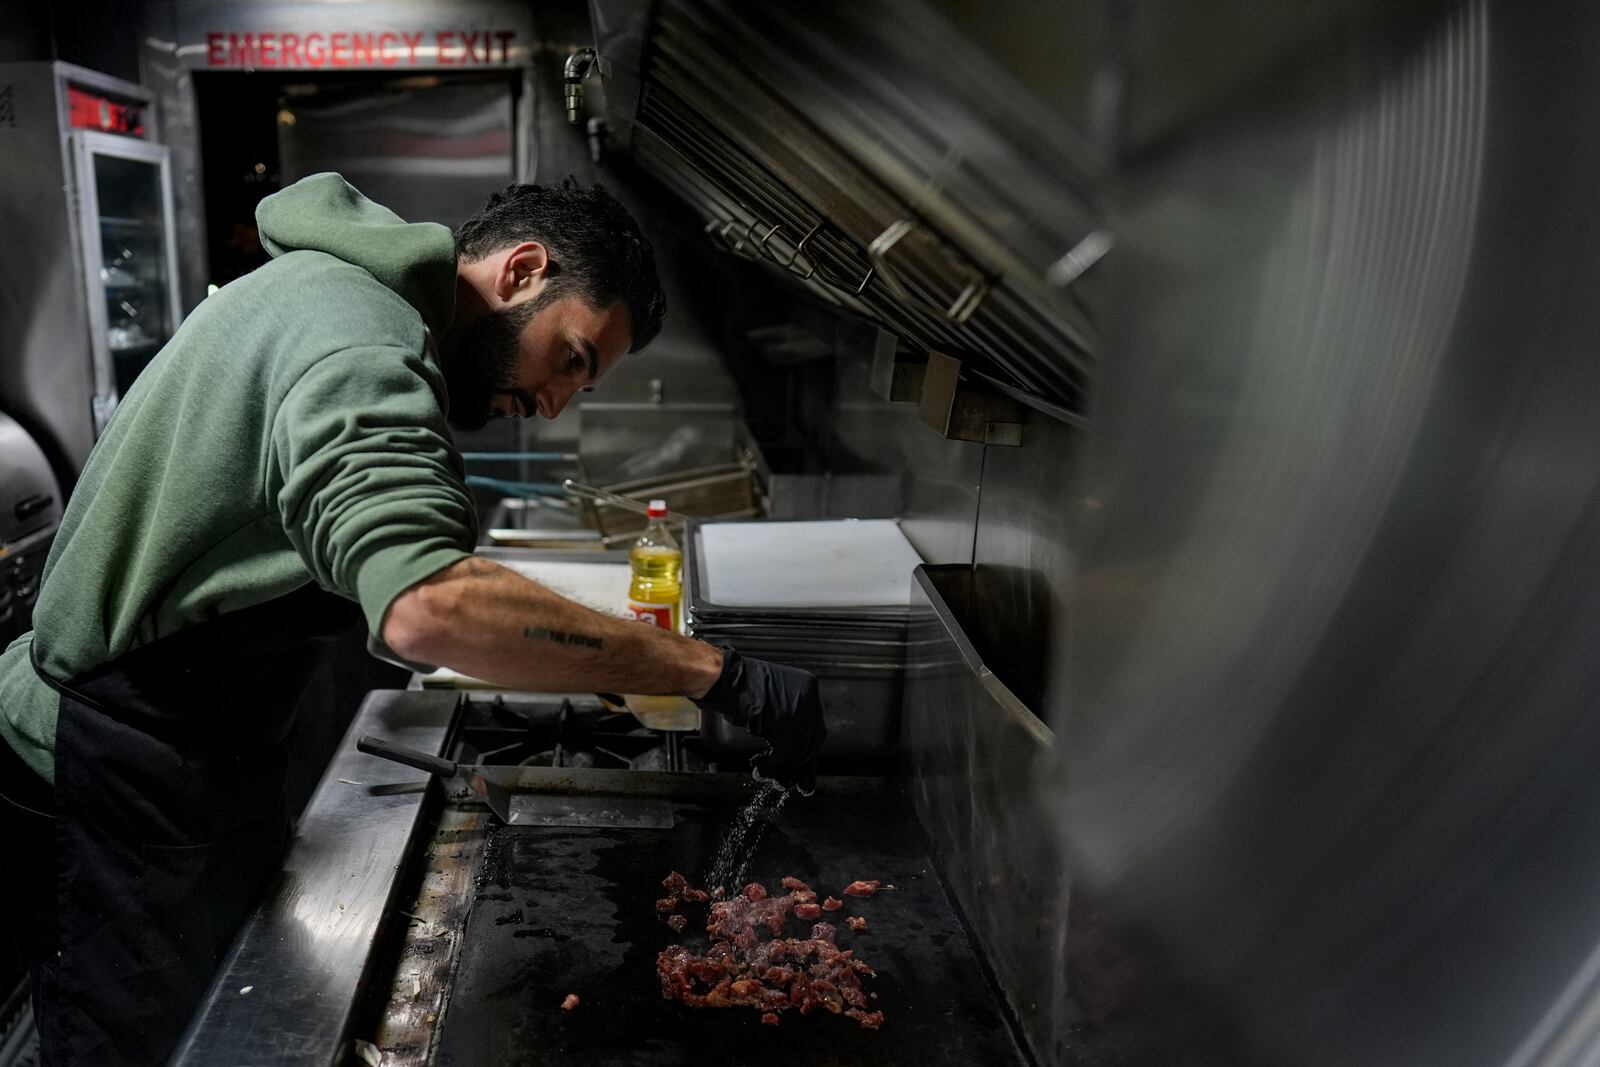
x=531 y=357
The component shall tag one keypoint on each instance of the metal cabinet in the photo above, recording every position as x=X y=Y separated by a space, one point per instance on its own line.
x=88 y=289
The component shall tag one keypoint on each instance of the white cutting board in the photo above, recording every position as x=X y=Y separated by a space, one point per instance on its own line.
x=826 y=563
x=601 y=586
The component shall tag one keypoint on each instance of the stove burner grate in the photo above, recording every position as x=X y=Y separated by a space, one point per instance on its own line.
x=568 y=732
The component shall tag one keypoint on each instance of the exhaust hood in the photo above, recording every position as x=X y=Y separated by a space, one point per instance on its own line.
x=880 y=162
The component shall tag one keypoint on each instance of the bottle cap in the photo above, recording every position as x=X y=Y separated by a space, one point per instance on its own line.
x=657 y=509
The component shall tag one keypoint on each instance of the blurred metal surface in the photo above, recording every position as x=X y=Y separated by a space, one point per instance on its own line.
x=30 y=511
x=429 y=150
x=624 y=441
x=971 y=748
x=1328 y=701
x=287 y=992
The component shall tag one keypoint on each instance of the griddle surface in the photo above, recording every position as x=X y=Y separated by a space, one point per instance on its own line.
x=563 y=911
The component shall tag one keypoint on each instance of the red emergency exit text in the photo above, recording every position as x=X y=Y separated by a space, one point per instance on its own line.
x=444 y=48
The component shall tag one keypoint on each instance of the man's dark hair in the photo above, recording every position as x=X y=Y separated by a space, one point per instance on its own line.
x=595 y=247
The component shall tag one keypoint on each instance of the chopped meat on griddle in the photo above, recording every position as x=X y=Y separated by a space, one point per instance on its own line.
x=569 y=1002
x=856 y=922
x=862 y=888
x=740 y=969
x=678 y=888
x=832 y=904
x=679 y=891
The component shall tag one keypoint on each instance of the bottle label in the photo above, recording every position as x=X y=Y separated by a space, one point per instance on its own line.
x=654 y=614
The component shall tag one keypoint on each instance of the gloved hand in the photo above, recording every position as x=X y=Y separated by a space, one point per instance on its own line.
x=779 y=704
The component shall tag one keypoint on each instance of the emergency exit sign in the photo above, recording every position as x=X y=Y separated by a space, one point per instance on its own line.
x=398 y=35
x=356 y=48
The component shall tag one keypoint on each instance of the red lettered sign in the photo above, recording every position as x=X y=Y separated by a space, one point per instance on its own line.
x=370 y=49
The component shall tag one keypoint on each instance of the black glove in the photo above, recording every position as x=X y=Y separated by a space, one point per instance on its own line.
x=780 y=705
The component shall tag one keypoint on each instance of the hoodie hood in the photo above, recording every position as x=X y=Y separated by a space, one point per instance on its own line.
x=325 y=213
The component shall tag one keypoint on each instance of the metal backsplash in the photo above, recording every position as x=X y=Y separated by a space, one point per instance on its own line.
x=971 y=749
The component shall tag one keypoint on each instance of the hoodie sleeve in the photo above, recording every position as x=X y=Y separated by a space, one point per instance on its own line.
x=365 y=477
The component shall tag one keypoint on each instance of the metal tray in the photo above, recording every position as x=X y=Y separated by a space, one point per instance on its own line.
x=701 y=605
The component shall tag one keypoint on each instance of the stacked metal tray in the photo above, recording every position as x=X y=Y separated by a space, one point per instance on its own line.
x=832 y=596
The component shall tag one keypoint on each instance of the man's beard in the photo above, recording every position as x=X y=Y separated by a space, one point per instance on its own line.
x=485 y=362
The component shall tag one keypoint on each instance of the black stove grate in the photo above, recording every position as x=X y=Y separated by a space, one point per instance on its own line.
x=565 y=732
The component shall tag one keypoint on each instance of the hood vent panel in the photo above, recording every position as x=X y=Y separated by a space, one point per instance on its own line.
x=937 y=268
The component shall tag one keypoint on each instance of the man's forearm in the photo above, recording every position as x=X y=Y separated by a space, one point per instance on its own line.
x=490 y=622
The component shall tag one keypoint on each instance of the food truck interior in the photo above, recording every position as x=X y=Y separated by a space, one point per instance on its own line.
x=1209 y=387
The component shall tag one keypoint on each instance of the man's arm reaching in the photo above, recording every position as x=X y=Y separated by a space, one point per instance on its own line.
x=490 y=622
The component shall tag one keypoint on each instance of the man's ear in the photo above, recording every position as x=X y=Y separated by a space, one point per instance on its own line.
x=522 y=269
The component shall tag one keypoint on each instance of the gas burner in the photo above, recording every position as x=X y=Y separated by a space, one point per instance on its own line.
x=566 y=731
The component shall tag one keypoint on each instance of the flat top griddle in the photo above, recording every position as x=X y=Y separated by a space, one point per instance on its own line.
x=562 y=910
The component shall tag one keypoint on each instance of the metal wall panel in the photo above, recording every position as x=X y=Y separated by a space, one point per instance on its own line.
x=972 y=749
x=1330 y=688
x=1023 y=553
x=429 y=153
x=939 y=478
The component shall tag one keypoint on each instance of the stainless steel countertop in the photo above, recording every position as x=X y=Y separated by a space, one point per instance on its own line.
x=287 y=990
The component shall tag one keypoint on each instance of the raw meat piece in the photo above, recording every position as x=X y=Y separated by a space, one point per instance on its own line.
x=772 y=976
x=569 y=1002
x=862 y=888
x=856 y=922
x=832 y=904
x=678 y=888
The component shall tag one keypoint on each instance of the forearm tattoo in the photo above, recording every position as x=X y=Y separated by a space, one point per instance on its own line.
x=562 y=637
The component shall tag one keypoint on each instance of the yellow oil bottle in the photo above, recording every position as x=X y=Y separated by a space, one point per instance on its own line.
x=655 y=595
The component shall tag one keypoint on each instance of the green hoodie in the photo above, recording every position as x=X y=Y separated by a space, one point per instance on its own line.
x=292 y=431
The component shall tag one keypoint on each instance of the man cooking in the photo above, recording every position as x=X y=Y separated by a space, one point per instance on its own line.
x=282 y=470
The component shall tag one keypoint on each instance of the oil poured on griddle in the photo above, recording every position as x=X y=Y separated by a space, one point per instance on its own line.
x=739 y=844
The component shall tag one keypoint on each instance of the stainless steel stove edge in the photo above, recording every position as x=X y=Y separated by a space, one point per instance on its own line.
x=287 y=991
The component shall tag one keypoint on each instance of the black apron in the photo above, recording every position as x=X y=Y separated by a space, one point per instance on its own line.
x=169 y=818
